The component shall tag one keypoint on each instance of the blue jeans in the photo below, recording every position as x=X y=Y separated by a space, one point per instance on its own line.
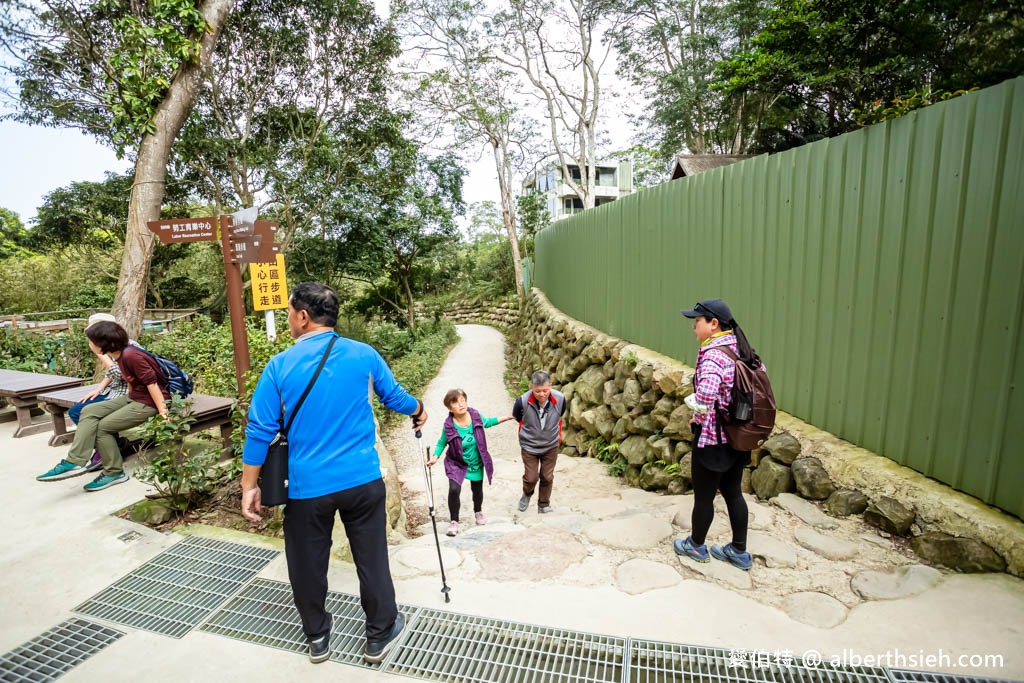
x=75 y=411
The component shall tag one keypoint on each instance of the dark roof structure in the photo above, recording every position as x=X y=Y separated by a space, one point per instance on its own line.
x=689 y=164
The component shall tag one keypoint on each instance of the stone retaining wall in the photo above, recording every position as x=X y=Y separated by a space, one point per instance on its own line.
x=500 y=313
x=626 y=408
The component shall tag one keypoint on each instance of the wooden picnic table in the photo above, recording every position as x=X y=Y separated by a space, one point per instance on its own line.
x=22 y=389
x=209 y=411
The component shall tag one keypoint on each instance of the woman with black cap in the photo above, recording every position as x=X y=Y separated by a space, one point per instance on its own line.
x=717 y=466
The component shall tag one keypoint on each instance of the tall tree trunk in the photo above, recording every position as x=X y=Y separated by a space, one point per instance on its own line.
x=150 y=169
x=508 y=213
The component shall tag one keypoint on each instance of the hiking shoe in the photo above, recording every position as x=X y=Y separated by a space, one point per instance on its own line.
x=453 y=529
x=96 y=463
x=480 y=519
x=696 y=552
x=546 y=509
x=320 y=648
x=727 y=553
x=377 y=650
x=105 y=481
x=524 y=503
x=62 y=470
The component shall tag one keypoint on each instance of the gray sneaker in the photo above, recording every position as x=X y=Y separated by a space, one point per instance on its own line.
x=524 y=503
x=546 y=509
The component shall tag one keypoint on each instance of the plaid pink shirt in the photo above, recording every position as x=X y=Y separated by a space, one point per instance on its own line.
x=714 y=377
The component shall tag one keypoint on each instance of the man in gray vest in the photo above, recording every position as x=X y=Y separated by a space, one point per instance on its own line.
x=539 y=414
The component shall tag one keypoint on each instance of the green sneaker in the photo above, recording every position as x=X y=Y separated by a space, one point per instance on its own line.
x=62 y=470
x=105 y=481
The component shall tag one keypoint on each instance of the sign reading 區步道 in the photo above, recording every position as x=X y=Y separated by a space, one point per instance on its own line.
x=180 y=230
x=269 y=285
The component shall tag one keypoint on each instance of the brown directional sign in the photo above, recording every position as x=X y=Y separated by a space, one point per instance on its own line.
x=185 y=229
x=254 y=243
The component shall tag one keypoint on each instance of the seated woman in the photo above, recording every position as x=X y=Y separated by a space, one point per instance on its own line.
x=100 y=422
x=111 y=386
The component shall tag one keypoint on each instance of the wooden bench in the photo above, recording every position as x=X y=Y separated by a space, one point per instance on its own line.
x=209 y=411
x=22 y=390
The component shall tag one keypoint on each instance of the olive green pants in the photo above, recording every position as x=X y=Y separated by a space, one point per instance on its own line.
x=98 y=427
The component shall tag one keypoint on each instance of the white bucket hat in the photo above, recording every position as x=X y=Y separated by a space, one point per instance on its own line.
x=99 y=318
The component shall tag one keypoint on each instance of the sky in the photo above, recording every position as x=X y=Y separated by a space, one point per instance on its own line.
x=38 y=160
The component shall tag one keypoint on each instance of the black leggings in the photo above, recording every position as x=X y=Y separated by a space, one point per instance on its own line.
x=706 y=483
x=454 y=504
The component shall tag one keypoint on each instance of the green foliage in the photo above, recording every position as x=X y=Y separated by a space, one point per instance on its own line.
x=13 y=236
x=672 y=469
x=61 y=353
x=420 y=363
x=629 y=358
x=182 y=474
x=901 y=106
x=820 y=62
x=60 y=279
x=102 y=66
x=532 y=217
x=618 y=467
x=604 y=451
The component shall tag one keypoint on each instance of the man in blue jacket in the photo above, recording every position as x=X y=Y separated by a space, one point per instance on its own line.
x=333 y=467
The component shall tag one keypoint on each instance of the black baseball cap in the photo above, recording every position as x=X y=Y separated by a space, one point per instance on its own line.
x=713 y=308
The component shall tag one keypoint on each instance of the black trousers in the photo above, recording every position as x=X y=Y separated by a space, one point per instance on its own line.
x=707 y=482
x=307 y=542
x=455 y=491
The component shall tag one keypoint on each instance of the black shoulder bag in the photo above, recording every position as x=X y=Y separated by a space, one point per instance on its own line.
x=274 y=474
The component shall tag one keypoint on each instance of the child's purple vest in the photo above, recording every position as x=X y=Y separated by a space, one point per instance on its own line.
x=455 y=466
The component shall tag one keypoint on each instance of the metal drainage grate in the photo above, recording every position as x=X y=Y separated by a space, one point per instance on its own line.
x=443 y=646
x=56 y=651
x=264 y=613
x=900 y=676
x=658 y=662
x=180 y=587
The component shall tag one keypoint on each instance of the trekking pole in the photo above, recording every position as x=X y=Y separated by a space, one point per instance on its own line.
x=430 y=506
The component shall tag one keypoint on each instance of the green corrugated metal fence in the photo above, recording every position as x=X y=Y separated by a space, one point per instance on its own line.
x=879 y=274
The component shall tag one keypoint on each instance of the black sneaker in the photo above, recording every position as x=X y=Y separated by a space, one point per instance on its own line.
x=320 y=648
x=376 y=650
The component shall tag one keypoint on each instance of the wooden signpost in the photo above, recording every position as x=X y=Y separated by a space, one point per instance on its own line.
x=242 y=242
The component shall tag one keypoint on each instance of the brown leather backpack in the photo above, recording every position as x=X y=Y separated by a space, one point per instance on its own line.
x=750 y=416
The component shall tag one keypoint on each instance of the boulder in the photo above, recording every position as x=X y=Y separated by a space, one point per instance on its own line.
x=654 y=478
x=668 y=380
x=610 y=391
x=609 y=370
x=590 y=386
x=622 y=373
x=901 y=583
x=631 y=393
x=678 y=486
x=888 y=514
x=150 y=513
x=771 y=478
x=618 y=405
x=645 y=373
x=829 y=547
x=846 y=502
x=783 y=447
x=598 y=421
x=678 y=425
x=962 y=554
x=636 y=450
x=811 y=479
x=640 y=576
x=815 y=609
x=804 y=510
x=631 y=476
x=621 y=429
x=576 y=407
x=686 y=467
x=662 y=409
x=662 y=449
x=645 y=424
x=745 y=483
x=570 y=452
x=648 y=400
